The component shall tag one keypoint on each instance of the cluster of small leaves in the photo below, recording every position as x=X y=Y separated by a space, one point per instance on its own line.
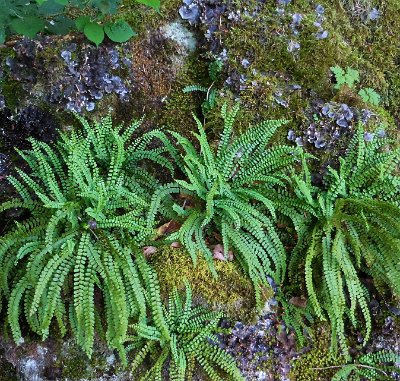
x=214 y=69
x=352 y=227
x=349 y=77
x=85 y=200
x=369 y=95
x=225 y=192
x=371 y=366
x=32 y=17
x=181 y=336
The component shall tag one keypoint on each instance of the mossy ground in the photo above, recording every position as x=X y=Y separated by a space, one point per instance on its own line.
x=309 y=366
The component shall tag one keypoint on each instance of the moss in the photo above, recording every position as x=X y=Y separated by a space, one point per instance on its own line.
x=371 y=47
x=12 y=91
x=304 y=368
x=143 y=18
x=179 y=106
x=8 y=372
x=232 y=292
x=75 y=364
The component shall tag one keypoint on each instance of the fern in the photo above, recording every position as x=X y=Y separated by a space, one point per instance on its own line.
x=351 y=226
x=183 y=335
x=371 y=366
x=214 y=69
x=86 y=199
x=228 y=189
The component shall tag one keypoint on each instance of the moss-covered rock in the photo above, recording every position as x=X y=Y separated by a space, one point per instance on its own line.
x=231 y=292
x=7 y=370
x=318 y=364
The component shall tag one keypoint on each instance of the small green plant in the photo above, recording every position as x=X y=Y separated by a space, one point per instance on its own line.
x=349 y=77
x=350 y=228
x=214 y=69
x=371 y=366
x=85 y=201
x=117 y=31
x=223 y=197
x=181 y=336
x=369 y=95
x=32 y=17
x=297 y=317
x=346 y=76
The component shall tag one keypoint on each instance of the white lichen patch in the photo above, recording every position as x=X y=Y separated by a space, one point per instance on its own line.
x=182 y=36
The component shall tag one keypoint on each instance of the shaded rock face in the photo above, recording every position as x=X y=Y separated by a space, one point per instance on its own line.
x=53 y=361
x=15 y=128
x=31 y=121
x=264 y=349
x=66 y=76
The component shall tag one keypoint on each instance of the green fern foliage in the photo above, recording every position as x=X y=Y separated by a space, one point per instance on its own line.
x=225 y=192
x=377 y=366
x=352 y=227
x=179 y=336
x=85 y=200
x=214 y=69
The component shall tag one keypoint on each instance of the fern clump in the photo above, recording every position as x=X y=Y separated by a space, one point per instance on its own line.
x=352 y=227
x=86 y=202
x=371 y=366
x=181 y=335
x=226 y=193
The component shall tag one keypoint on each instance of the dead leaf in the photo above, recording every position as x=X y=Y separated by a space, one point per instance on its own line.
x=149 y=250
x=169 y=227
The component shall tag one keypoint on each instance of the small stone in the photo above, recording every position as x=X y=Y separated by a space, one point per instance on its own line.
x=245 y=63
x=296 y=19
x=320 y=143
x=342 y=122
x=299 y=141
x=92 y=224
x=66 y=55
x=90 y=106
x=374 y=14
x=293 y=46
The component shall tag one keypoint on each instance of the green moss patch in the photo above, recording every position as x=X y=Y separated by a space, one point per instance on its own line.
x=232 y=292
